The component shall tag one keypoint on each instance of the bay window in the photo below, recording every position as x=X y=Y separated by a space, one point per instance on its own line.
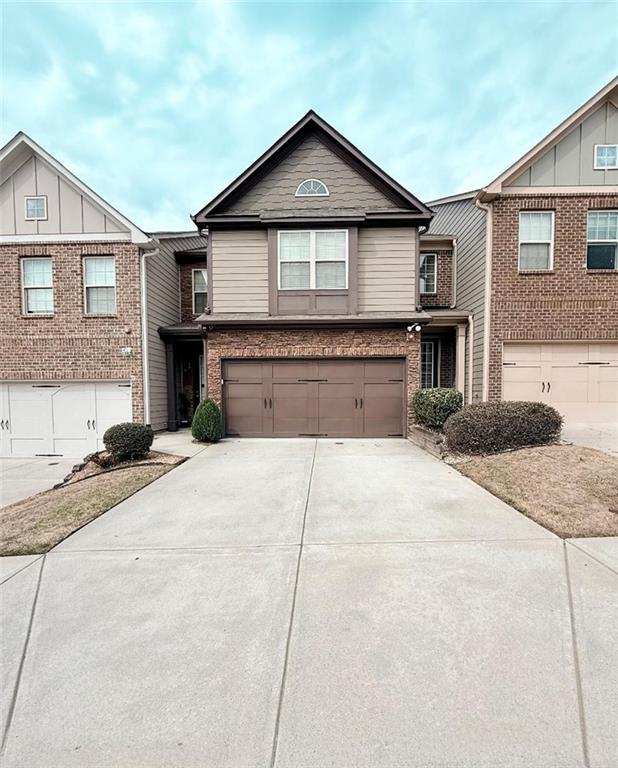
x=313 y=259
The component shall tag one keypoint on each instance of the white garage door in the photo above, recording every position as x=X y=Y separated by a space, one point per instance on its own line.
x=60 y=418
x=579 y=380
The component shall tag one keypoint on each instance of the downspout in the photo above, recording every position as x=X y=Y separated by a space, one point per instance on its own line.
x=470 y=355
x=454 y=275
x=145 y=359
x=487 y=298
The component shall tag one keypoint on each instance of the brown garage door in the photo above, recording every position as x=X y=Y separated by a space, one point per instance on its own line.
x=332 y=398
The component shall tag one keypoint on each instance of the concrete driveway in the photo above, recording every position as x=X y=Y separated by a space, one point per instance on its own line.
x=20 y=478
x=304 y=604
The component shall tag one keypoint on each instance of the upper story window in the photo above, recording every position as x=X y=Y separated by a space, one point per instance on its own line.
x=36 y=208
x=428 y=272
x=313 y=259
x=602 y=240
x=536 y=241
x=100 y=285
x=312 y=188
x=38 y=292
x=200 y=291
x=605 y=156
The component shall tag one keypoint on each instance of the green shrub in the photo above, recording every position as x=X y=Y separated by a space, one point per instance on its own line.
x=494 y=427
x=128 y=441
x=207 y=426
x=432 y=407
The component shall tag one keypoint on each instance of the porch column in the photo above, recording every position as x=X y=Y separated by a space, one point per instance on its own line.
x=460 y=360
x=172 y=417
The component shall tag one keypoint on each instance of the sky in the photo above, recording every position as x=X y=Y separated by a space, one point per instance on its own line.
x=158 y=106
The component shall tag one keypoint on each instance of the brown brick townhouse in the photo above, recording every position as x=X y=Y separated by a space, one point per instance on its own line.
x=314 y=297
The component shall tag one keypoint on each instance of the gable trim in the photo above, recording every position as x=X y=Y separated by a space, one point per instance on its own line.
x=287 y=143
x=136 y=235
x=495 y=187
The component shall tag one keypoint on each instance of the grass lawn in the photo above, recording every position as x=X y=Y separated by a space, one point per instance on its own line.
x=570 y=490
x=37 y=524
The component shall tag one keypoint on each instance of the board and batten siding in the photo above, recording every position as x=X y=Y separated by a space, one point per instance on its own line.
x=387 y=269
x=239 y=270
x=467 y=222
x=69 y=210
x=570 y=162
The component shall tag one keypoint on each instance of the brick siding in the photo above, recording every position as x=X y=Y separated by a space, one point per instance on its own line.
x=311 y=343
x=68 y=345
x=568 y=304
x=444 y=281
x=186 y=290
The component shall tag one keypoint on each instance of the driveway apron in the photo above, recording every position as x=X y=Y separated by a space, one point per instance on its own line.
x=303 y=603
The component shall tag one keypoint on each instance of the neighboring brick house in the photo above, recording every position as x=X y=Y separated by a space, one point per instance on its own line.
x=71 y=352
x=552 y=306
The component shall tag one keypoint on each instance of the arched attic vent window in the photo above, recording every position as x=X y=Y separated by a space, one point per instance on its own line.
x=312 y=188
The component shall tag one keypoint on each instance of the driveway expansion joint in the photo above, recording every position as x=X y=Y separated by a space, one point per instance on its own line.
x=23 y=568
x=591 y=556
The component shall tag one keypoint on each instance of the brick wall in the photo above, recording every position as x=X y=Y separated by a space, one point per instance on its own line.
x=311 y=343
x=186 y=289
x=444 y=281
x=69 y=345
x=570 y=303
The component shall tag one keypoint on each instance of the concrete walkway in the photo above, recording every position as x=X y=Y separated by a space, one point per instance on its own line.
x=20 y=478
x=307 y=603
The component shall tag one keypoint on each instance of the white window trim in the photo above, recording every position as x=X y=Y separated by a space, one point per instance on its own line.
x=604 y=167
x=550 y=242
x=601 y=242
x=312 y=259
x=24 y=288
x=435 y=273
x=433 y=345
x=193 y=291
x=115 y=286
x=35 y=197
x=314 y=194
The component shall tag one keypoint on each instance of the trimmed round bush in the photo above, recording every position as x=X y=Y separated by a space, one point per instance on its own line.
x=495 y=427
x=128 y=441
x=207 y=425
x=432 y=407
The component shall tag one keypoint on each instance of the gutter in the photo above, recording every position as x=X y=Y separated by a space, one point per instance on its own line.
x=487 y=207
x=144 y=319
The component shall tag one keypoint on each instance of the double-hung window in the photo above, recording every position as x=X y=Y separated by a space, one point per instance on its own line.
x=200 y=291
x=602 y=240
x=316 y=259
x=428 y=272
x=36 y=279
x=100 y=285
x=536 y=240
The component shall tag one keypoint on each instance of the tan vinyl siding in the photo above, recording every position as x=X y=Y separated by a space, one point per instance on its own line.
x=239 y=271
x=467 y=222
x=387 y=269
x=69 y=211
x=312 y=159
x=570 y=162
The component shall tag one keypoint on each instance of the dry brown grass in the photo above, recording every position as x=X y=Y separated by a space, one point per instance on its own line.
x=570 y=490
x=37 y=524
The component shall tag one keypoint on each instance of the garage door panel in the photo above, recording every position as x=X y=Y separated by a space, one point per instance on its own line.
x=243 y=369
x=382 y=409
x=295 y=370
x=383 y=369
x=521 y=352
x=338 y=411
x=338 y=369
x=73 y=412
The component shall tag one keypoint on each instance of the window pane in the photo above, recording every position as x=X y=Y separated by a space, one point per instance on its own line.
x=100 y=271
x=535 y=226
x=294 y=246
x=427 y=364
x=428 y=273
x=533 y=256
x=35 y=208
x=330 y=274
x=603 y=225
x=329 y=246
x=100 y=301
x=200 y=279
x=607 y=156
x=200 y=302
x=39 y=301
x=312 y=187
x=294 y=275
x=37 y=273
x=601 y=256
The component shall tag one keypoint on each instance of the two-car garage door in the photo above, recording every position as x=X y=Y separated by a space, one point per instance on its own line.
x=60 y=418
x=336 y=398
x=579 y=379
